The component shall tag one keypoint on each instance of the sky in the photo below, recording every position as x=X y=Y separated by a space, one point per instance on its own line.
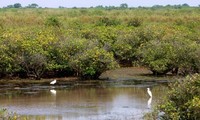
x=90 y=3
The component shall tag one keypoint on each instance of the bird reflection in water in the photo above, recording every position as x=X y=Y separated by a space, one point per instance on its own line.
x=149 y=103
x=53 y=91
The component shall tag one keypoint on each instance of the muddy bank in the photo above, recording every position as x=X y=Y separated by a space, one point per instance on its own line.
x=136 y=74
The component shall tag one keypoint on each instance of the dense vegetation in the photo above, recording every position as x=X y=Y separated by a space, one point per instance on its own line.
x=5 y=115
x=182 y=101
x=86 y=42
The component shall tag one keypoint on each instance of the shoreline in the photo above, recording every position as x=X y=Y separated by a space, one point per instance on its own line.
x=137 y=74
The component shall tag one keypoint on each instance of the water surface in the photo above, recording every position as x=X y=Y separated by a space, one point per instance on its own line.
x=83 y=100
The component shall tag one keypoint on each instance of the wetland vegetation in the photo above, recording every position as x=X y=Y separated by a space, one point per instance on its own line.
x=79 y=42
x=86 y=42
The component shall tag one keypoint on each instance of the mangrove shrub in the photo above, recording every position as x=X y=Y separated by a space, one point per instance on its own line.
x=92 y=62
x=183 y=100
x=169 y=52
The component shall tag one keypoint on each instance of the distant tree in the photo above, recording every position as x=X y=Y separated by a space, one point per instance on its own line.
x=61 y=7
x=10 y=6
x=17 y=5
x=168 y=5
x=185 y=5
x=110 y=7
x=33 y=5
x=124 y=5
x=140 y=7
x=157 y=6
x=99 y=6
x=177 y=6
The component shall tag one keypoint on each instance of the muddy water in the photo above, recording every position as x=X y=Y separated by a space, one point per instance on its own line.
x=82 y=101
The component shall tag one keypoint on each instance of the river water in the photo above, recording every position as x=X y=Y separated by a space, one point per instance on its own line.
x=85 y=100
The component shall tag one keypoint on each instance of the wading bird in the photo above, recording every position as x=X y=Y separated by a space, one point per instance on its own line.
x=53 y=82
x=149 y=92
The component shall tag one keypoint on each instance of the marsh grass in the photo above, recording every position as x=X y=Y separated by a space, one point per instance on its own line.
x=37 y=16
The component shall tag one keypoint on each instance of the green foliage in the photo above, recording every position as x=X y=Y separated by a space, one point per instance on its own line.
x=17 y=5
x=34 y=64
x=105 y=21
x=136 y=22
x=46 y=40
x=33 y=5
x=188 y=56
x=123 y=5
x=158 y=57
x=5 y=115
x=53 y=21
x=169 y=51
x=8 y=60
x=92 y=62
x=183 y=100
x=125 y=46
x=57 y=59
x=25 y=52
x=122 y=50
x=5 y=61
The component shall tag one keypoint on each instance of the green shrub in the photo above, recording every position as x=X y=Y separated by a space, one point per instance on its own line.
x=5 y=115
x=6 y=61
x=92 y=62
x=158 y=56
x=8 y=57
x=183 y=100
x=106 y=21
x=125 y=47
x=53 y=21
x=122 y=50
x=136 y=22
x=34 y=64
x=170 y=51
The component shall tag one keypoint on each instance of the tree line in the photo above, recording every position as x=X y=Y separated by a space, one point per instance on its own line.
x=121 y=6
x=18 y=5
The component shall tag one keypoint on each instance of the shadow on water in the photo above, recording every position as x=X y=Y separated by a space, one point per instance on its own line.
x=83 y=100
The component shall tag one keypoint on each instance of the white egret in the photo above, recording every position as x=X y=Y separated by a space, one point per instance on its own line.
x=149 y=92
x=53 y=82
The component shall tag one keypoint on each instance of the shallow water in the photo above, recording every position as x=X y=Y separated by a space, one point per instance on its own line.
x=122 y=100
